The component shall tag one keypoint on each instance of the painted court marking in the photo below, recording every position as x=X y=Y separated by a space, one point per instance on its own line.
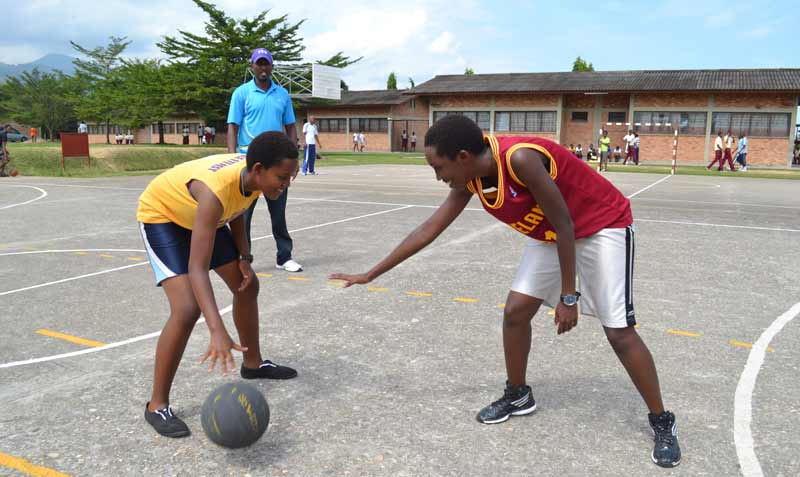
x=23 y=465
x=42 y=196
x=743 y=399
x=70 y=338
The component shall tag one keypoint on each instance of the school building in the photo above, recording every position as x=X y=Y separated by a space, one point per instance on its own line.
x=569 y=108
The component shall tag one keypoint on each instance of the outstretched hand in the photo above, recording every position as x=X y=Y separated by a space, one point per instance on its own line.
x=220 y=349
x=566 y=317
x=359 y=279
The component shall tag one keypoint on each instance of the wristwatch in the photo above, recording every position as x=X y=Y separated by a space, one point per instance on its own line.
x=571 y=300
x=246 y=256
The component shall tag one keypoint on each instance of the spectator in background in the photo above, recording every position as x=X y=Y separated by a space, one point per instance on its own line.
x=311 y=137
x=355 y=141
x=741 y=152
x=796 y=152
x=726 y=155
x=636 y=148
x=257 y=106
x=4 y=157
x=83 y=128
x=414 y=141
x=34 y=133
x=200 y=135
x=591 y=153
x=404 y=141
x=213 y=134
x=118 y=137
x=185 y=134
x=572 y=148
x=718 y=147
x=362 y=141
x=579 y=151
x=605 y=143
x=628 y=138
x=207 y=135
x=617 y=154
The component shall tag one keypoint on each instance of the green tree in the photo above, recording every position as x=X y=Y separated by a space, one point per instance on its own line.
x=101 y=97
x=391 y=82
x=469 y=71
x=212 y=65
x=41 y=99
x=581 y=65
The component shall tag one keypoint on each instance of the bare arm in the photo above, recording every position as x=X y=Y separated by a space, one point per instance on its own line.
x=416 y=240
x=291 y=131
x=529 y=167
x=209 y=213
x=232 y=138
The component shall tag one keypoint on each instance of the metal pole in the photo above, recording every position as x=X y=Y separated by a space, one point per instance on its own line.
x=674 y=151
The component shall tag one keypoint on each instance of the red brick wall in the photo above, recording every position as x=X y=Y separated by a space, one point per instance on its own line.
x=582 y=133
x=353 y=112
x=547 y=101
x=579 y=101
x=616 y=101
x=549 y=136
x=658 y=148
x=465 y=101
x=754 y=100
x=670 y=100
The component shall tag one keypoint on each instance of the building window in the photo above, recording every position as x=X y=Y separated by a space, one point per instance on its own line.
x=650 y=122
x=192 y=127
x=369 y=124
x=525 y=121
x=101 y=129
x=481 y=118
x=752 y=124
x=169 y=128
x=332 y=125
x=580 y=116
x=616 y=116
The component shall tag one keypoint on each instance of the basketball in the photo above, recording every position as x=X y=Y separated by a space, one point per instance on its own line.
x=235 y=415
x=14 y=173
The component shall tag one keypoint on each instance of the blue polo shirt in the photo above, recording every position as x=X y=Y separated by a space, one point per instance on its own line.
x=257 y=111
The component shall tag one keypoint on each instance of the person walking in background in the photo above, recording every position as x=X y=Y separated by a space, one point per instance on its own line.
x=726 y=155
x=362 y=141
x=355 y=141
x=636 y=148
x=628 y=138
x=414 y=141
x=83 y=128
x=185 y=134
x=311 y=136
x=213 y=134
x=404 y=141
x=34 y=133
x=718 y=147
x=200 y=134
x=257 y=106
x=741 y=152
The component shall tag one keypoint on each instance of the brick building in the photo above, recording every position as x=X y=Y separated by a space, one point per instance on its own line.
x=382 y=115
x=572 y=107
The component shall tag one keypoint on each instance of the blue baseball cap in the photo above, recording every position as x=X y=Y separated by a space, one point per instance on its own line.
x=259 y=53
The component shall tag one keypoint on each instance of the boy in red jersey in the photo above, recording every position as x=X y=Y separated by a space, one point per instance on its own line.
x=577 y=222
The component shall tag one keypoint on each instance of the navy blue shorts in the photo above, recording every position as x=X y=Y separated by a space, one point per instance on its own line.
x=168 y=248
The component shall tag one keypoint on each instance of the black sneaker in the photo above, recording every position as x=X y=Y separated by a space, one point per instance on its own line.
x=165 y=422
x=667 y=452
x=268 y=370
x=516 y=401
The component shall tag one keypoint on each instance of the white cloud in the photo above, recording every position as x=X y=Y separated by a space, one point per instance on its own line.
x=444 y=43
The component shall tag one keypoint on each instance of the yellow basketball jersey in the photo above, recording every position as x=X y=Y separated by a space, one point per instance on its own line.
x=167 y=197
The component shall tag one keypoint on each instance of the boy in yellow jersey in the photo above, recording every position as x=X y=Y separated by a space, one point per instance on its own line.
x=191 y=219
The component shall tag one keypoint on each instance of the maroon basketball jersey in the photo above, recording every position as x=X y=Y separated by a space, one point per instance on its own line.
x=593 y=202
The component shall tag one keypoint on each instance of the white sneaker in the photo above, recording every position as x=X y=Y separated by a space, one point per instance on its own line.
x=744 y=169
x=290 y=266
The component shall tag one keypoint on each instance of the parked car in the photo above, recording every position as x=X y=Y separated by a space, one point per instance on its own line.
x=16 y=136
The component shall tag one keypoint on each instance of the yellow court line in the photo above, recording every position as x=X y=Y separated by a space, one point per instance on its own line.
x=683 y=333
x=135 y=259
x=416 y=293
x=265 y=275
x=336 y=284
x=377 y=289
x=81 y=253
x=466 y=300
x=501 y=305
x=23 y=465
x=299 y=279
x=105 y=255
x=70 y=338
x=747 y=345
x=636 y=325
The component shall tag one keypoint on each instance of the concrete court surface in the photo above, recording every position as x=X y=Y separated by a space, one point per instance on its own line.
x=391 y=376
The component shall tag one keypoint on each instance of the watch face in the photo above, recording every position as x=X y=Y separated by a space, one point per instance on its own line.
x=569 y=300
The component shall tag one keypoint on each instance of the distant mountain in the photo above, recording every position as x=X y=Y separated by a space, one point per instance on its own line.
x=46 y=63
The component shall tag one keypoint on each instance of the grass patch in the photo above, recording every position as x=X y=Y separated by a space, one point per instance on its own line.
x=756 y=173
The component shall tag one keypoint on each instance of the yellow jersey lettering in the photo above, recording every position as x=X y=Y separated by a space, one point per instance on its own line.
x=550 y=236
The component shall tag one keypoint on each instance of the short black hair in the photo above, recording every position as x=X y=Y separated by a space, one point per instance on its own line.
x=454 y=133
x=269 y=148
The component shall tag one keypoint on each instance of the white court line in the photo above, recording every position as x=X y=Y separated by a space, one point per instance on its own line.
x=80 y=186
x=44 y=194
x=64 y=280
x=743 y=400
x=747 y=227
x=99 y=348
x=75 y=250
x=719 y=203
x=154 y=334
x=651 y=185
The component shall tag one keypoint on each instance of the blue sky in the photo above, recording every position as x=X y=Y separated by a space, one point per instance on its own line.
x=421 y=39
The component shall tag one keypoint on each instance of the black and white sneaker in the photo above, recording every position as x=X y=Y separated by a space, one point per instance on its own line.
x=165 y=422
x=268 y=370
x=516 y=401
x=667 y=452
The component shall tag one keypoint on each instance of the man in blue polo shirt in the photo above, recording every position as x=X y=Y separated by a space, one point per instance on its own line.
x=258 y=106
